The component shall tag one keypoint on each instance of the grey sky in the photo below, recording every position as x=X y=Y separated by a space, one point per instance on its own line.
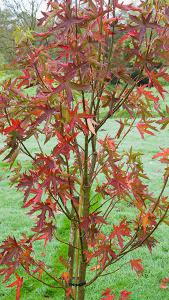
x=43 y=5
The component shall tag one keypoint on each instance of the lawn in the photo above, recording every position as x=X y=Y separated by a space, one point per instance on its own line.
x=146 y=287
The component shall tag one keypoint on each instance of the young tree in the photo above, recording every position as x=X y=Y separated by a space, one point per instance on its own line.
x=71 y=73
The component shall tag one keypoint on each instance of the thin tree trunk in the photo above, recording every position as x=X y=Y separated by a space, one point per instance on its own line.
x=71 y=250
x=83 y=264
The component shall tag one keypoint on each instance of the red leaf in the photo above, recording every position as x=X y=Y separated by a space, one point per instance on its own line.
x=124 y=295
x=42 y=34
x=154 y=80
x=144 y=128
x=14 y=254
x=64 y=146
x=46 y=208
x=137 y=266
x=108 y=295
x=147 y=94
x=68 y=22
x=164 y=155
x=92 y=219
x=18 y=282
x=14 y=127
x=25 y=80
x=11 y=250
x=27 y=182
x=46 y=233
x=133 y=33
x=164 y=283
x=108 y=143
x=35 y=199
x=128 y=7
x=104 y=253
x=73 y=118
x=69 y=292
x=119 y=232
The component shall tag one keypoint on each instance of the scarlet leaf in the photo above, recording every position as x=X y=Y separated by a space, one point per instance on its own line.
x=73 y=118
x=164 y=155
x=16 y=126
x=27 y=182
x=119 y=232
x=125 y=295
x=108 y=295
x=64 y=146
x=18 y=283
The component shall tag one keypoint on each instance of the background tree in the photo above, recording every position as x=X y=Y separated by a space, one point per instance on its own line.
x=25 y=12
x=7 y=26
x=16 y=15
x=82 y=174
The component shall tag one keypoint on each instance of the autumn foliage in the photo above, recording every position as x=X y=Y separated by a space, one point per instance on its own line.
x=69 y=63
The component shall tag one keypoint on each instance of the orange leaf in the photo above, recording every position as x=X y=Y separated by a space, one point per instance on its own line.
x=136 y=265
x=148 y=219
x=65 y=276
x=97 y=267
x=145 y=221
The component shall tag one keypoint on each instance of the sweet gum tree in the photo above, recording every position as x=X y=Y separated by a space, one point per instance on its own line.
x=70 y=62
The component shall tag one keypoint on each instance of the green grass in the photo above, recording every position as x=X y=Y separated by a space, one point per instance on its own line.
x=13 y=221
